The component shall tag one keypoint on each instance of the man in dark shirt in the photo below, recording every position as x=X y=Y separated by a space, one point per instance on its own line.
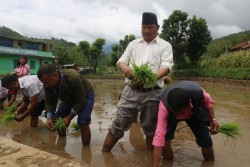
x=75 y=93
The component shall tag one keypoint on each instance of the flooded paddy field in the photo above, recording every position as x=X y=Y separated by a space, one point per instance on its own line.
x=232 y=104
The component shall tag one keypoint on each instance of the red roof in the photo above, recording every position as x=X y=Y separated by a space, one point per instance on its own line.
x=241 y=46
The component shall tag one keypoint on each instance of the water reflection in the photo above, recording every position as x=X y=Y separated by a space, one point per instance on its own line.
x=231 y=104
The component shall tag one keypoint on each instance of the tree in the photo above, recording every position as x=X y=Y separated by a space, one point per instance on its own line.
x=62 y=53
x=93 y=52
x=118 y=49
x=198 y=38
x=124 y=43
x=77 y=57
x=174 y=30
x=181 y=33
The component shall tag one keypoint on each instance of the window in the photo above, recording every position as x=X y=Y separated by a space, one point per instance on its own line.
x=46 y=62
x=32 y=64
x=32 y=46
x=6 y=42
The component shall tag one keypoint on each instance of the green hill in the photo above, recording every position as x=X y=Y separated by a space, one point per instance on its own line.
x=221 y=45
x=5 y=31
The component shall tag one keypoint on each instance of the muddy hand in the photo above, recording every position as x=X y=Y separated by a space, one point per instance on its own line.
x=129 y=74
x=214 y=127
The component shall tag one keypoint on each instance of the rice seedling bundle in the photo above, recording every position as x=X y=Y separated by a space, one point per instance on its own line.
x=144 y=75
x=13 y=107
x=60 y=126
x=231 y=130
x=7 y=118
x=9 y=115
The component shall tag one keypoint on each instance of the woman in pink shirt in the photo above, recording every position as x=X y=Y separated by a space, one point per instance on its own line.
x=22 y=68
x=184 y=101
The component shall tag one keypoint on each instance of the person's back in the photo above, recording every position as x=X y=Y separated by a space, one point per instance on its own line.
x=30 y=86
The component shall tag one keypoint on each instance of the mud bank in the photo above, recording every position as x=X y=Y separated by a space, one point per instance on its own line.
x=13 y=154
x=233 y=82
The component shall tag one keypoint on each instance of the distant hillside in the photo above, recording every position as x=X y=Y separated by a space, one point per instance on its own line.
x=215 y=48
x=5 y=31
x=107 y=49
x=221 y=45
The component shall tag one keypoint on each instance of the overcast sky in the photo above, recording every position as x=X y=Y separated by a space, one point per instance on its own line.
x=77 y=20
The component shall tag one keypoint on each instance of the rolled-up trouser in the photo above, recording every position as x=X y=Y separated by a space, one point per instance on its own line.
x=38 y=110
x=199 y=128
x=132 y=102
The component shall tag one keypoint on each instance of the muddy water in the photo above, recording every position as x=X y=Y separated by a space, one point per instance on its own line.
x=231 y=105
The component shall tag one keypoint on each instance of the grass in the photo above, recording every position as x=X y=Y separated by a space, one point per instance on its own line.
x=75 y=126
x=9 y=115
x=144 y=75
x=231 y=130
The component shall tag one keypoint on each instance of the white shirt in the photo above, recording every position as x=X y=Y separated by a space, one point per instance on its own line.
x=3 y=92
x=158 y=53
x=31 y=86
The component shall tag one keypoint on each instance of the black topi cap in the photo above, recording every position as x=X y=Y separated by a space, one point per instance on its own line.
x=149 y=18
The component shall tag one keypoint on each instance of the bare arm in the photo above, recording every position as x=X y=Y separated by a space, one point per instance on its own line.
x=125 y=69
x=68 y=119
x=32 y=106
x=162 y=72
x=157 y=156
x=22 y=105
x=214 y=125
x=12 y=99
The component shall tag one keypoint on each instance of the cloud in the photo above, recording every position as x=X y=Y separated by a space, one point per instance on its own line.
x=77 y=20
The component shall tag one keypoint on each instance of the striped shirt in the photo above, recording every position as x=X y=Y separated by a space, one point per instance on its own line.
x=31 y=86
x=3 y=92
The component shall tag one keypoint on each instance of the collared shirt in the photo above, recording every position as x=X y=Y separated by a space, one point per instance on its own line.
x=31 y=86
x=22 y=70
x=3 y=92
x=161 y=130
x=158 y=53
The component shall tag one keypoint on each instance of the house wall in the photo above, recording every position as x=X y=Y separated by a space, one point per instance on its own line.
x=38 y=53
x=7 y=63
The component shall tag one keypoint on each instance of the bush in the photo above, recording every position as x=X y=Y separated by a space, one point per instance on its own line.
x=240 y=59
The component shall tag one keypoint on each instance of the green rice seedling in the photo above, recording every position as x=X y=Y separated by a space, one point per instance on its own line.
x=13 y=107
x=60 y=126
x=7 y=118
x=9 y=115
x=143 y=75
x=231 y=130
x=75 y=126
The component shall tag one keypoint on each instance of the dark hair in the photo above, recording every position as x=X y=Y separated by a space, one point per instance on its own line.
x=48 y=69
x=22 y=56
x=177 y=99
x=8 y=79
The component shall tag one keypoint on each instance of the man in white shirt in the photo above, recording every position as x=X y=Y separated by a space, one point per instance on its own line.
x=33 y=96
x=158 y=54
